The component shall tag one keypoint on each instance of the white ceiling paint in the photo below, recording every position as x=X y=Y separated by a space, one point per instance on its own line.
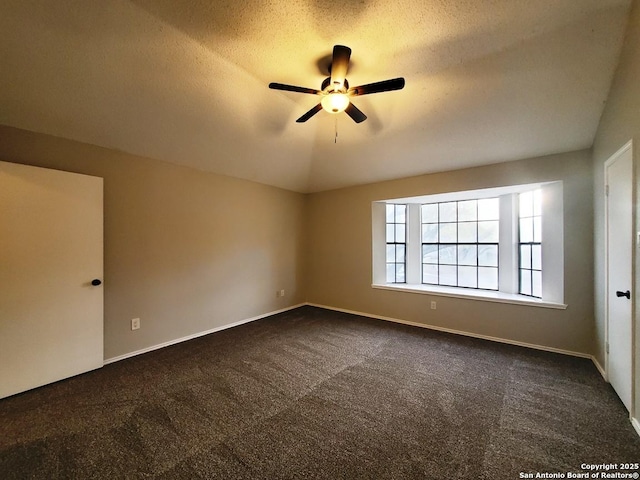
x=186 y=81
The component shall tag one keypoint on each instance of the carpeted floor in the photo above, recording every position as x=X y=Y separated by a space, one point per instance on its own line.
x=317 y=394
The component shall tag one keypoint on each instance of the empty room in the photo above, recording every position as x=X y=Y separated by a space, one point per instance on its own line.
x=301 y=239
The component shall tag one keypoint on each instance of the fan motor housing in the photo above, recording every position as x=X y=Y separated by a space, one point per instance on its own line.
x=327 y=82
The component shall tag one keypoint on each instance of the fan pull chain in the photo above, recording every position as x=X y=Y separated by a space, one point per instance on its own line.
x=335 y=139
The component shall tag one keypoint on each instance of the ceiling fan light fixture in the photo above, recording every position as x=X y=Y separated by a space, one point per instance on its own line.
x=335 y=102
x=335 y=91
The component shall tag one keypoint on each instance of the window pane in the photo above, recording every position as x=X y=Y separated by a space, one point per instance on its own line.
x=488 y=278
x=537 y=202
x=489 y=209
x=430 y=274
x=467 y=255
x=430 y=213
x=526 y=230
x=488 y=232
x=390 y=212
x=530 y=231
x=526 y=204
x=390 y=235
x=391 y=253
x=536 y=284
x=399 y=272
x=430 y=232
x=447 y=254
x=448 y=275
x=537 y=229
x=391 y=272
x=430 y=253
x=400 y=253
x=467 y=210
x=536 y=257
x=488 y=255
x=525 y=256
x=468 y=232
x=458 y=238
x=468 y=277
x=525 y=282
x=448 y=212
x=448 y=232
x=400 y=213
x=400 y=229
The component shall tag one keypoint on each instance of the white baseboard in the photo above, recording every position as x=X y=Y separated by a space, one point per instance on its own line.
x=600 y=368
x=636 y=425
x=363 y=314
x=196 y=335
x=460 y=332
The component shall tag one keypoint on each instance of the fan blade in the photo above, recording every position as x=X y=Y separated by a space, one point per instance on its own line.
x=292 y=88
x=339 y=65
x=383 y=86
x=355 y=113
x=309 y=114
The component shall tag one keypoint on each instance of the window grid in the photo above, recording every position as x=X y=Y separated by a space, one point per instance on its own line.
x=396 y=236
x=460 y=242
x=530 y=244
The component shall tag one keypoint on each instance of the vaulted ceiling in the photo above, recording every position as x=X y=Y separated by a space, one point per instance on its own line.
x=186 y=81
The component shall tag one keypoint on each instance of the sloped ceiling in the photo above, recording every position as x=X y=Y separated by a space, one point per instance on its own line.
x=186 y=81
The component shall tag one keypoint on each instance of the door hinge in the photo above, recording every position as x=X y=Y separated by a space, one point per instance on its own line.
x=607 y=347
x=606 y=190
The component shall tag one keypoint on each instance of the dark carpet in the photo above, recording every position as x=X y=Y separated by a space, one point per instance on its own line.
x=317 y=394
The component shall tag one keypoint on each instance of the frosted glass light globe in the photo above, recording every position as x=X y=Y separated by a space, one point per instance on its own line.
x=335 y=102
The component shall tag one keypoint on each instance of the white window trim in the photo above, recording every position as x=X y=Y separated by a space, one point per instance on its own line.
x=552 y=258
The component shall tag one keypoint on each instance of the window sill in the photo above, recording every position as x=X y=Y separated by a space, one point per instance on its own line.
x=469 y=294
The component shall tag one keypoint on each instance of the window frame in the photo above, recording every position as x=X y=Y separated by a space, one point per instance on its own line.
x=396 y=243
x=438 y=243
x=552 y=258
x=530 y=244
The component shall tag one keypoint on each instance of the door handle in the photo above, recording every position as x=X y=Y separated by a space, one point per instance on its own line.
x=624 y=294
x=95 y=282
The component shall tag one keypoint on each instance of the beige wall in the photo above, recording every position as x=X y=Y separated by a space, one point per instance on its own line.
x=620 y=123
x=186 y=251
x=339 y=255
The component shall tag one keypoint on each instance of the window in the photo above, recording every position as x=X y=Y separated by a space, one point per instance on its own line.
x=530 y=243
x=396 y=242
x=483 y=244
x=460 y=243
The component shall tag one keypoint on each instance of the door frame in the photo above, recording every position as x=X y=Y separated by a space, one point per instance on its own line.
x=634 y=243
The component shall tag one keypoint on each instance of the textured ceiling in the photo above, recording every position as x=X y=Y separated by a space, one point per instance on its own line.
x=186 y=81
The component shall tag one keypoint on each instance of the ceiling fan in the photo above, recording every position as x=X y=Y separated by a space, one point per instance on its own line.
x=335 y=91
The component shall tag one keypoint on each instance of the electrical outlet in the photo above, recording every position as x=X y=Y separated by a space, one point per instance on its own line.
x=433 y=305
x=135 y=323
x=282 y=292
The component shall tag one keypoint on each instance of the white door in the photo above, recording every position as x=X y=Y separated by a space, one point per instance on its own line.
x=618 y=177
x=51 y=316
